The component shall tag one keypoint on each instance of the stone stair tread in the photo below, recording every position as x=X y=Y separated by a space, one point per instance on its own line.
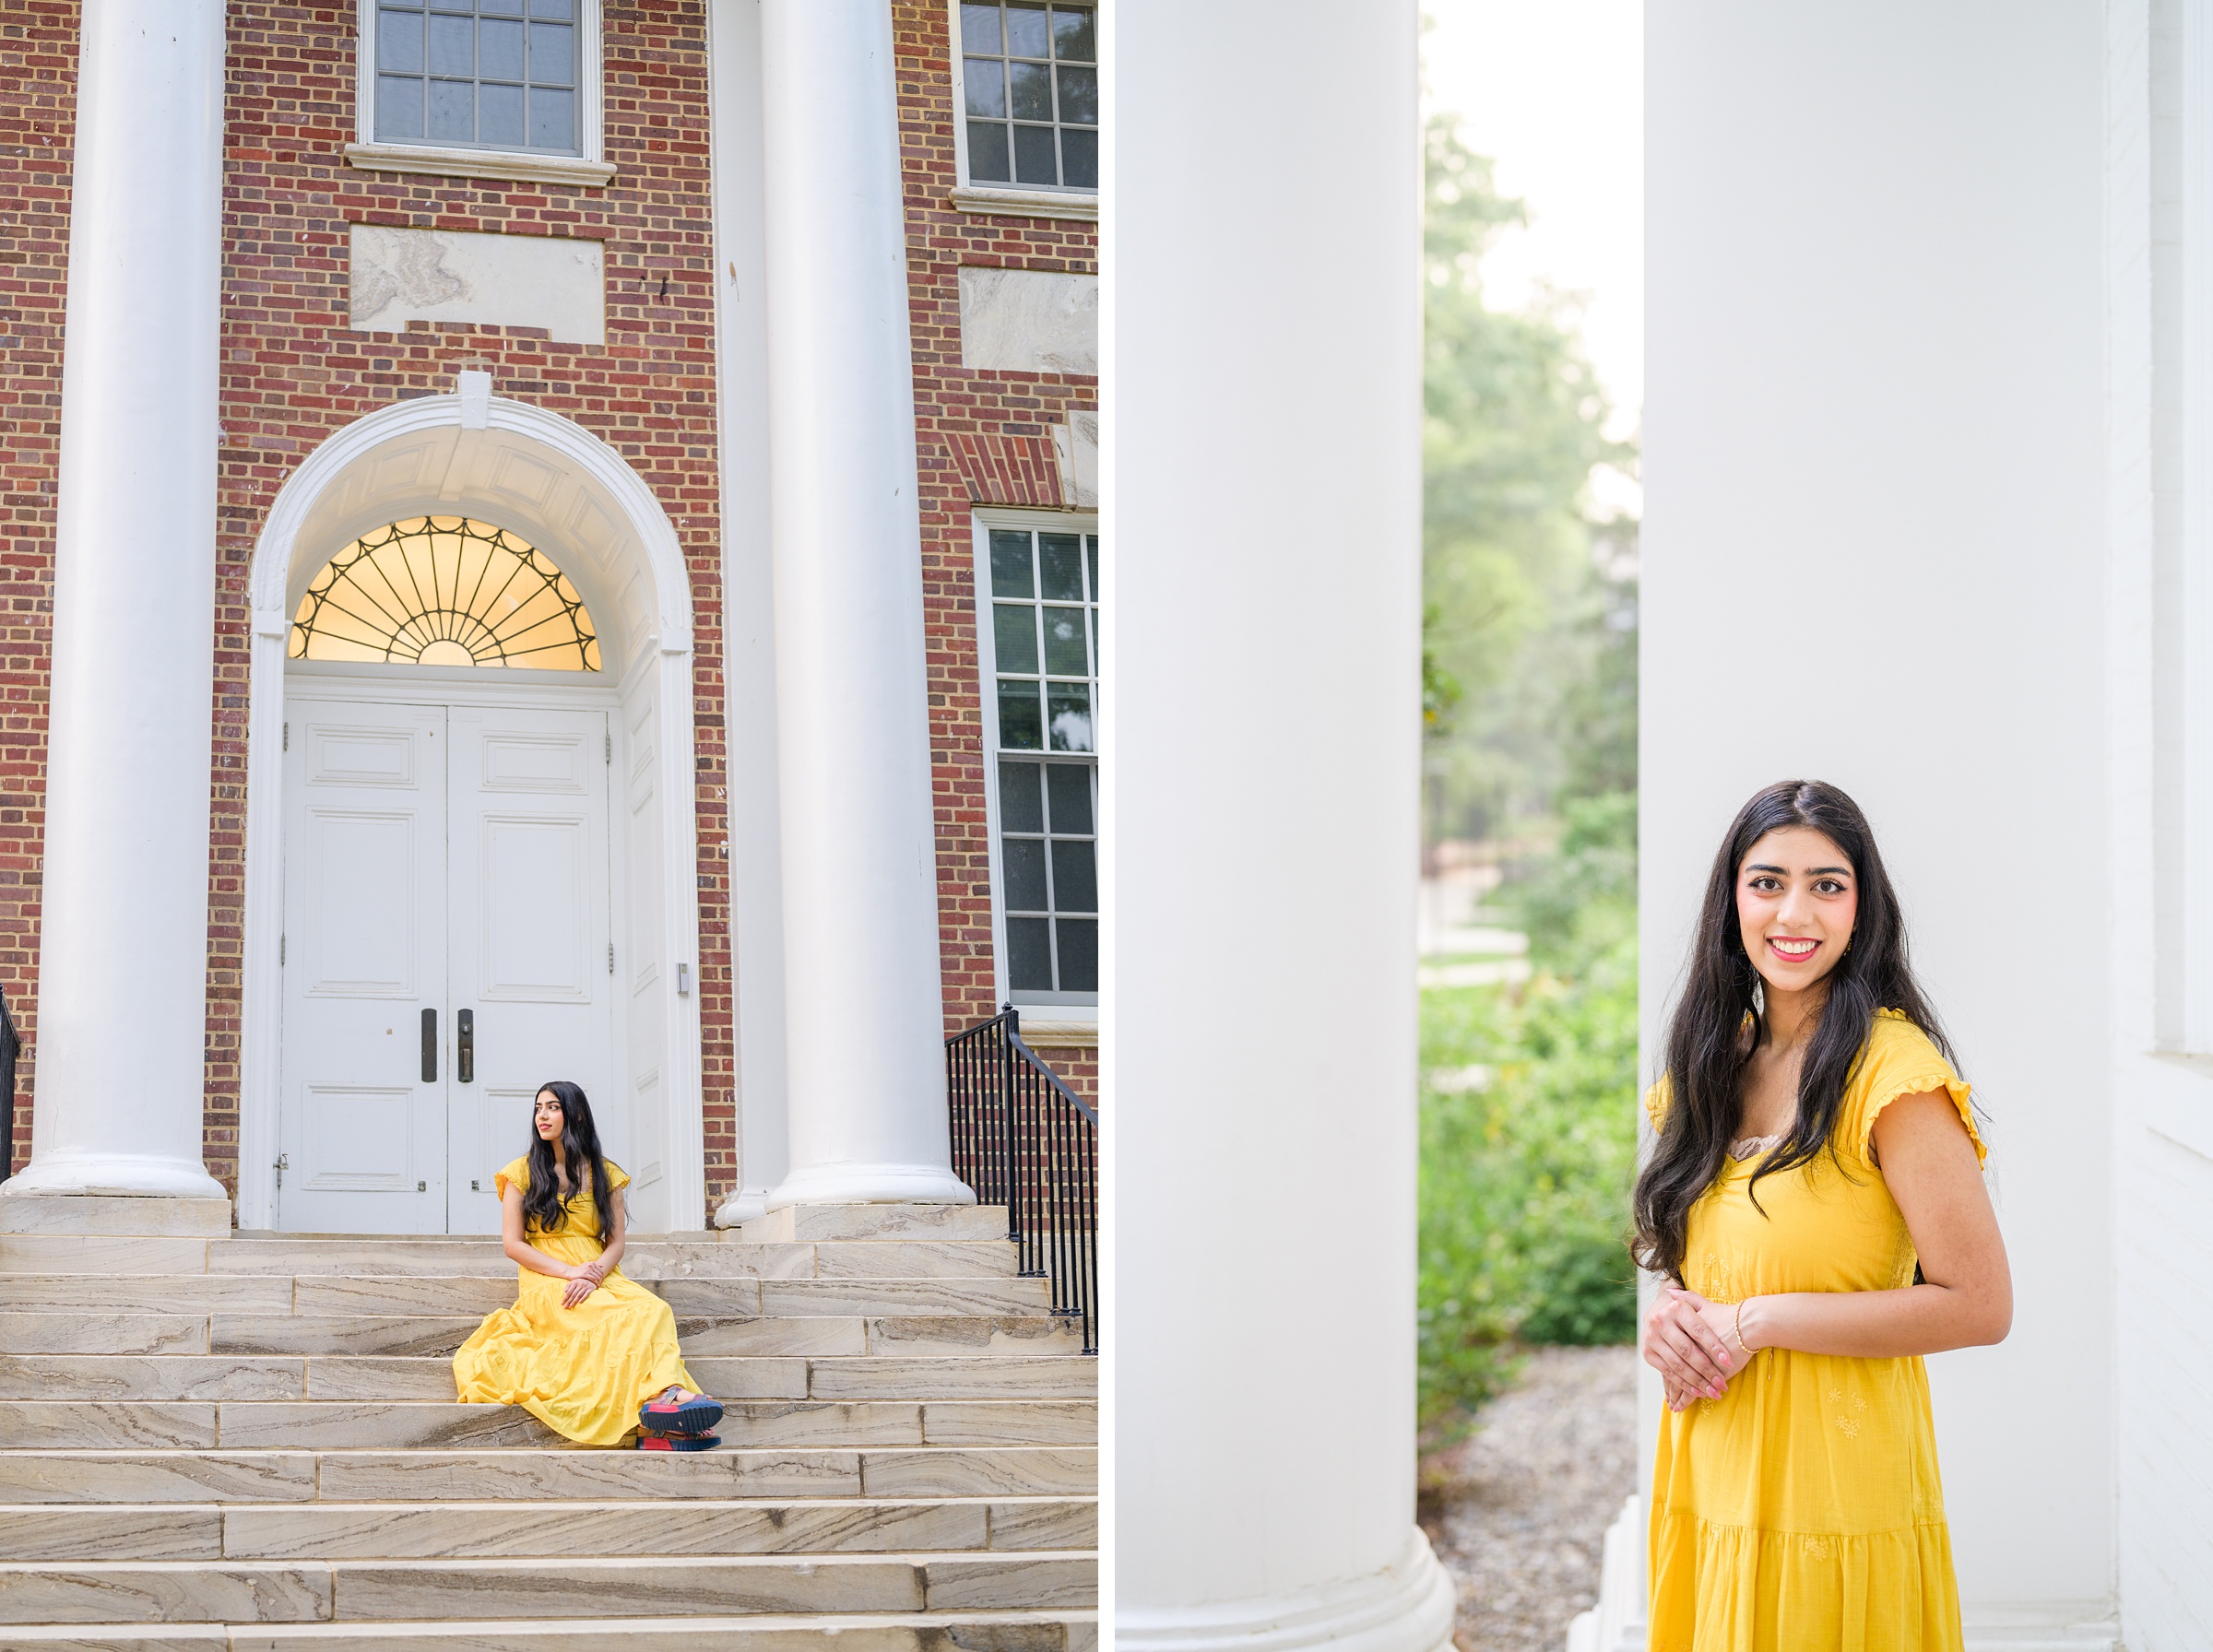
x=519 y=1530
x=533 y=1473
x=1060 y=1631
x=311 y=1591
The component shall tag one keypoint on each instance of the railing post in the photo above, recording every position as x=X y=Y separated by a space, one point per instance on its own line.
x=1010 y=1030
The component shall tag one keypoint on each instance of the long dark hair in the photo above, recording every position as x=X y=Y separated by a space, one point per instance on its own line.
x=545 y=1205
x=1707 y=1050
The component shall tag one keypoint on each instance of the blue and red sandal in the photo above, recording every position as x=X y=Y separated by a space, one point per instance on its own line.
x=697 y=1415
x=649 y=1441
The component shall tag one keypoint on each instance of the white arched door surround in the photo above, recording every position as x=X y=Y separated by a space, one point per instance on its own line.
x=549 y=480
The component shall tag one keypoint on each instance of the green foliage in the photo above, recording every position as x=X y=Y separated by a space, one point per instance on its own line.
x=1513 y=428
x=1524 y=1178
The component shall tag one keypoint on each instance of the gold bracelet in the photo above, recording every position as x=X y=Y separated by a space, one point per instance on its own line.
x=1737 y=1330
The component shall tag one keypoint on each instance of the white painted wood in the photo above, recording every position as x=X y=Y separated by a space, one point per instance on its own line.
x=122 y=1012
x=363 y=1134
x=528 y=937
x=562 y=488
x=860 y=910
x=1237 y=473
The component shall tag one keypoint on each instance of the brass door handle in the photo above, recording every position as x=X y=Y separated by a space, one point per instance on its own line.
x=465 y=1046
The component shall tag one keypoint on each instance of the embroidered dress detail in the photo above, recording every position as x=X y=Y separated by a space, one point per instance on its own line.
x=1802 y=1508
x=1744 y=1147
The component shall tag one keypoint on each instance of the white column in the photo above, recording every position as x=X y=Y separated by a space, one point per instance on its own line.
x=122 y=1005
x=862 y=998
x=1263 y=452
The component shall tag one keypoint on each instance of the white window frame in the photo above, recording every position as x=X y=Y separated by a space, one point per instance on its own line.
x=588 y=169
x=1007 y=200
x=982 y=521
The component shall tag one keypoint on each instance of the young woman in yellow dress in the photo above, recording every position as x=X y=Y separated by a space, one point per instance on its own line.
x=589 y=1352
x=1814 y=1207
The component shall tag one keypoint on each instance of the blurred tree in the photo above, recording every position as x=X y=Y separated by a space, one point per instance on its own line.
x=1520 y=634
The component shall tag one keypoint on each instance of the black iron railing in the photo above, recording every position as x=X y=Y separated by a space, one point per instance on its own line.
x=1021 y=1137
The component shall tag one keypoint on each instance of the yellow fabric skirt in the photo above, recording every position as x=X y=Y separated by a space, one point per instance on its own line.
x=584 y=1371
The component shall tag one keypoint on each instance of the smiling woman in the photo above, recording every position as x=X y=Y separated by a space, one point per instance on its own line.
x=1802 y=1488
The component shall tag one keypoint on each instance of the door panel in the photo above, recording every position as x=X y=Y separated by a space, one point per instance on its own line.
x=360 y=1133
x=437 y=858
x=528 y=937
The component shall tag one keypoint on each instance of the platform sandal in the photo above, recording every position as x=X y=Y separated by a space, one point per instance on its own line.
x=697 y=1415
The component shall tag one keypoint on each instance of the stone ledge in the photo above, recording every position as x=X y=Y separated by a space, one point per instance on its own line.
x=482 y=163
x=110 y=1214
x=1027 y=203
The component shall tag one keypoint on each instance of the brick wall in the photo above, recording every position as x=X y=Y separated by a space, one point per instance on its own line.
x=37 y=78
x=293 y=373
x=981 y=438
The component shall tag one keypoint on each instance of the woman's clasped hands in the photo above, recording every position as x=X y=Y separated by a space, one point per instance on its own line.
x=1687 y=1340
x=583 y=1281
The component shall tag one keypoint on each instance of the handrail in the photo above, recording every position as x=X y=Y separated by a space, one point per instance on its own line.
x=1023 y=1138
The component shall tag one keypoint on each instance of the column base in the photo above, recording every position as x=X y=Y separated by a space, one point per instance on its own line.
x=870 y=1184
x=748 y=1204
x=112 y=1175
x=1407 y=1608
x=109 y=1214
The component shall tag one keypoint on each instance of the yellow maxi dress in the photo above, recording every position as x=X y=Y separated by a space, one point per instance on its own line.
x=582 y=1371
x=1802 y=1510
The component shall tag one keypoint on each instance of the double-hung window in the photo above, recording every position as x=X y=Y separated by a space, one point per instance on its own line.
x=479 y=74
x=514 y=76
x=1042 y=589
x=1029 y=89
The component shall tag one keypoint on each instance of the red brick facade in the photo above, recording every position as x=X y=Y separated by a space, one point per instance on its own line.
x=293 y=372
x=38 y=81
x=983 y=438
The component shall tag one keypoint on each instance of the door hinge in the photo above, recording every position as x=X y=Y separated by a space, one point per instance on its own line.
x=280 y=946
x=287 y=737
x=610 y=956
x=283 y=1162
x=609 y=738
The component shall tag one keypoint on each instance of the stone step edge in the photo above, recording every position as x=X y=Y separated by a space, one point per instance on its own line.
x=432 y=1632
x=610 y=1565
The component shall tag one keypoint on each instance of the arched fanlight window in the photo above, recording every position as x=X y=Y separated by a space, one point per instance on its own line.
x=444 y=591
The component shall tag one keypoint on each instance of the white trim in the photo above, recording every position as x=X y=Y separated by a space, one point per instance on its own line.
x=982 y=520
x=480 y=163
x=1024 y=203
x=1031 y=201
x=586 y=167
x=281 y=563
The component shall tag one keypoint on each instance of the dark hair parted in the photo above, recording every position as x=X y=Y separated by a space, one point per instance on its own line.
x=1708 y=1048
x=545 y=1201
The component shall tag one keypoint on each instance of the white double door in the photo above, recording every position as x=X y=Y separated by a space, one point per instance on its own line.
x=447 y=952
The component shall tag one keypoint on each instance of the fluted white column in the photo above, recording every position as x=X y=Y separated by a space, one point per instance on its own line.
x=122 y=1004
x=1263 y=452
x=862 y=996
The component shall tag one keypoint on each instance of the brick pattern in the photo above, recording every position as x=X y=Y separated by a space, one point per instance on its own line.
x=981 y=438
x=37 y=83
x=293 y=373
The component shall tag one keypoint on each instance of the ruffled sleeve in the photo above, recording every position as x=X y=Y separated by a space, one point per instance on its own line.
x=617 y=1177
x=1899 y=1059
x=517 y=1173
x=1655 y=1102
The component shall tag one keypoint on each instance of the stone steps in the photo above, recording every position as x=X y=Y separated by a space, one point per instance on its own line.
x=515 y=1530
x=1070 y=1630
x=410 y=1294
x=643 y=1260
x=943 y=1336
x=576 y=1587
x=225 y=1377
x=254 y=1442
x=270 y=1425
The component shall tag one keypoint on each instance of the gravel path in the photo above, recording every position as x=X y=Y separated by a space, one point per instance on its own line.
x=1519 y=1511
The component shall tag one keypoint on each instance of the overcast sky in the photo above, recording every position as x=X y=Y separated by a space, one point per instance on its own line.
x=1552 y=90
